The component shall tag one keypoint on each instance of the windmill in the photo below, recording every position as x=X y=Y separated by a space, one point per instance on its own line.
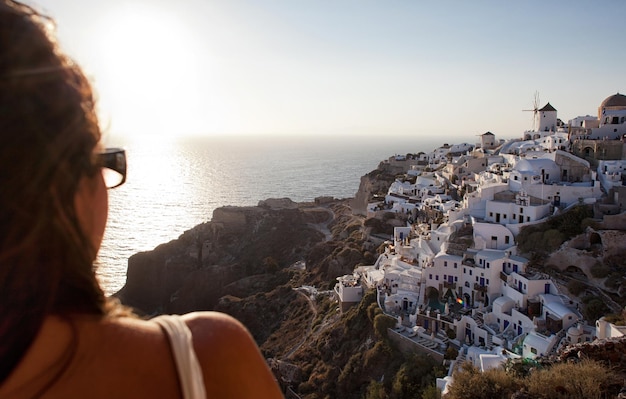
x=534 y=110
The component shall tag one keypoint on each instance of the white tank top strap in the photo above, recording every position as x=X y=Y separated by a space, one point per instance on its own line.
x=189 y=371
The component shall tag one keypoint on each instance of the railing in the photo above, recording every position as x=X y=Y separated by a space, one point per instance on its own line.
x=449 y=285
x=480 y=288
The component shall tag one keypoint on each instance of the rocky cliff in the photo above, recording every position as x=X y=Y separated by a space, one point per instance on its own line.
x=241 y=249
x=374 y=184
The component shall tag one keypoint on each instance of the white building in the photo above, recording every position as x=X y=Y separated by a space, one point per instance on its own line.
x=348 y=291
x=606 y=329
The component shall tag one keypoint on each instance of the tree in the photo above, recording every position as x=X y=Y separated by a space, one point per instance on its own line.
x=470 y=383
x=383 y=322
x=431 y=392
x=376 y=390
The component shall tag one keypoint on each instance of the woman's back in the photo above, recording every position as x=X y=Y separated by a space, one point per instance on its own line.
x=131 y=358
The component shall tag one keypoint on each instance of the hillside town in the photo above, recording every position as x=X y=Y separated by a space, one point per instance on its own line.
x=452 y=276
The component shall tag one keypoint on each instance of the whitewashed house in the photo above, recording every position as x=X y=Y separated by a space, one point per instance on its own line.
x=606 y=329
x=492 y=236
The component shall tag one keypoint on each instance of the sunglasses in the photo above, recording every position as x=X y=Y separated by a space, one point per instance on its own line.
x=113 y=164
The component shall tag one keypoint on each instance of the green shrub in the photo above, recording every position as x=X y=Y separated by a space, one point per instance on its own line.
x=584 y=380
x=451 y=353
x=381 y=323
x=594 y=309
x=470 y=383
x=600 y=270
x=553 y=239
x=372 y=311
x=547 y=236
x=376 y=390
x=431 y=392
x=414 y=375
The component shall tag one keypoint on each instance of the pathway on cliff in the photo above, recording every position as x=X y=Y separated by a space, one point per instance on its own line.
x=306 y=294
x=323 y=227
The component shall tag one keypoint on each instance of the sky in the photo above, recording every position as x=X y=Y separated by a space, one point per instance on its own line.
x=449 y=69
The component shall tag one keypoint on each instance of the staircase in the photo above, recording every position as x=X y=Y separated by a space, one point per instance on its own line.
x=489 y=343
x=478 y=317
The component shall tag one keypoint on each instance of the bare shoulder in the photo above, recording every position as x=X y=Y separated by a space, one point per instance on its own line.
x=232 y=363
x=215 y=325
x=220 y=336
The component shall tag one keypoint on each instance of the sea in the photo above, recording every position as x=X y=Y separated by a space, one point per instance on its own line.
x=175 y=184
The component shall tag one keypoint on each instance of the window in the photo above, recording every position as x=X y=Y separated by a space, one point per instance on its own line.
x=464 y=270
x=506 y=239
x=514 y=177
x=430 y=276
x=470 y=272
x=456 y=279
x=445 y=277
x=487 y=281
x=528 y=218
x=488 y=265
x=455 y=265
x=521 y=210
x=504 y=216
x=533 y=350
x=445 y=263
x=490 y=214
x=437 y=277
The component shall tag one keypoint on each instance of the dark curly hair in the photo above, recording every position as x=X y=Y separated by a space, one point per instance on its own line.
x=48 y=134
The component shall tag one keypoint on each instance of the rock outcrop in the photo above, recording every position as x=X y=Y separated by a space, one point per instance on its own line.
x=241 y=244
x=373 y=184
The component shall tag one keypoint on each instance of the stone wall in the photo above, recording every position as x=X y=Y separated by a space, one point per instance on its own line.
x=408 y=345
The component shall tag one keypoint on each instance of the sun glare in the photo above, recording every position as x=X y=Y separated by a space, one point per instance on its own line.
x=146 y=72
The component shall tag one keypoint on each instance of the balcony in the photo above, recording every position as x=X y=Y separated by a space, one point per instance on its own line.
x=480 y=288
x=451 y=286
x=504 y=277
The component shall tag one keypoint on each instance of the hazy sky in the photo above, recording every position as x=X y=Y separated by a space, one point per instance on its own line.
x=454 y=69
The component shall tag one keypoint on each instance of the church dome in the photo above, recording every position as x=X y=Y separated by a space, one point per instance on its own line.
x=523 y=166
x=616 y=100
